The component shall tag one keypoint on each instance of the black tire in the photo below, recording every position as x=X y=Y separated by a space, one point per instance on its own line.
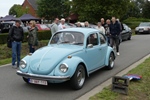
x=78 y=79
x=25 y=79
x=129 y=37
x=136 y=33
x=111 y=62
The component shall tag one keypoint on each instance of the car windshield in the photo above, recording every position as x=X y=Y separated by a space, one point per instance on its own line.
x=74 y=38
x=144 y=24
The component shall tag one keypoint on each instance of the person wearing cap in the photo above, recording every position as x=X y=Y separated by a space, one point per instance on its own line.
x=16 y=34
x=62 y=24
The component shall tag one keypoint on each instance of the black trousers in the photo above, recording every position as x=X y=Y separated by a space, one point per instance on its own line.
x=114 y=40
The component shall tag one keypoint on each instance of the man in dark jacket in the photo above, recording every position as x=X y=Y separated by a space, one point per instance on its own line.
x=114 y=34
x=16 y=34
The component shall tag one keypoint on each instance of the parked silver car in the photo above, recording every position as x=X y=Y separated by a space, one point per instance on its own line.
x=144 y=27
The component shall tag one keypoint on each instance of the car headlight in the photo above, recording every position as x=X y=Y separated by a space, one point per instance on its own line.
x=146 y=29
x=63 y=68
x=136 y=28
x=23 y=64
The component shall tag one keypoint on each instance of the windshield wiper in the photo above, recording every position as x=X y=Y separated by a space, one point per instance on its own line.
x=77 y=43
x=64 y=42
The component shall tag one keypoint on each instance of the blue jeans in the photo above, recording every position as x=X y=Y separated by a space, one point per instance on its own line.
x=31 y=49
x=16 y=52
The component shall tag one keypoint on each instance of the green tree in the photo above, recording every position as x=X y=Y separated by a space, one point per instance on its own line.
x=50 y=9
x=146 y=9
x=17 y=10
x=136 y=8
x=93 y=10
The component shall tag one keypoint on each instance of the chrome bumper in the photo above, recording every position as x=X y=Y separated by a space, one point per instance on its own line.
x=42 y=77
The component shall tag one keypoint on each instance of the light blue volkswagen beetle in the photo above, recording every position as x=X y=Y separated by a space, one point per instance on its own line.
x=71 y=55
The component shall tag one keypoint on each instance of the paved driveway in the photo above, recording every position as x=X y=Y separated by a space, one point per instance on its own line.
x=12 y=87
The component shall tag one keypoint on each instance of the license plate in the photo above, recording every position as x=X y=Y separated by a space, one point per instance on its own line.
x=39 y=82
x=140 y=30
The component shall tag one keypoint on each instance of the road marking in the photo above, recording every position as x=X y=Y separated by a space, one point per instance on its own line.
x=109 y=81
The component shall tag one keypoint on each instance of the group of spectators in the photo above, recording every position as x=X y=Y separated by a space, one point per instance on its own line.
x=111 y=28
x=16 y=36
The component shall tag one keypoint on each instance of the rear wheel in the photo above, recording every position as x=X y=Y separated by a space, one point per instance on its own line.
x=78 y=79
x=111 y=62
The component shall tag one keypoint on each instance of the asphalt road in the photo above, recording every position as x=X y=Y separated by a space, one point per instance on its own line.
x=12 y=87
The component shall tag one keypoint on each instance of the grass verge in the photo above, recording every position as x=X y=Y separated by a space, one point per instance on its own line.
x=5 y=52
x=138 y=90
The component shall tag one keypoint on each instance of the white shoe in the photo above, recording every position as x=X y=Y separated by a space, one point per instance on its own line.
x=114 y=47
x=118 y=53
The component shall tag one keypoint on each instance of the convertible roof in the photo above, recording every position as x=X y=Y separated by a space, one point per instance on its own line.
x=81 y=30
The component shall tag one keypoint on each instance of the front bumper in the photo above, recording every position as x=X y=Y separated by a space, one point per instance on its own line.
x=144 y=31
x=43 y=77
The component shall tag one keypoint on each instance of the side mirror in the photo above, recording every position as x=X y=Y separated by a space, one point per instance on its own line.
x=90 y=46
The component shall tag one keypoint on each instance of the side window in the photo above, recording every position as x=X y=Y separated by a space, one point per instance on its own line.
x=92 y=39
x=102 y=39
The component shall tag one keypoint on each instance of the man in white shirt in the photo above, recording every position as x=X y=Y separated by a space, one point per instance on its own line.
x=100 y=27
x=62 y=24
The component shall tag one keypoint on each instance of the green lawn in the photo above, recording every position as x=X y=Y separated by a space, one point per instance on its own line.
x=5 y=52
x=138 y=90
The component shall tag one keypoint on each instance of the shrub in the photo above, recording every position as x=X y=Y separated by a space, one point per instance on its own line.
x=134 y=22
x=42 y=35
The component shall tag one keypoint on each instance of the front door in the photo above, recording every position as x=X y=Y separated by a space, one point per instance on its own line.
x=93 y=52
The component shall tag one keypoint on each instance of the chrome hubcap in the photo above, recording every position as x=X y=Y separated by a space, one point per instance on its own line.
x=111 y=61
x=80 y=77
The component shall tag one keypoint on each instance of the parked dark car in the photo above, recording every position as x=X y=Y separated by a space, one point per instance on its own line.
x=5 y=26
x=126 y=33
x=144 y=28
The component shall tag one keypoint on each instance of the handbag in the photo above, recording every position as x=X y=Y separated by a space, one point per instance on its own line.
x=9 y=42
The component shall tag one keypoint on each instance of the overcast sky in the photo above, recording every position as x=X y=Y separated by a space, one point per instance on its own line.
x=5 y=5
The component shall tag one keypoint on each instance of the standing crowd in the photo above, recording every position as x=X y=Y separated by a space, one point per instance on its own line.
x=16 y=36
x=111 y=28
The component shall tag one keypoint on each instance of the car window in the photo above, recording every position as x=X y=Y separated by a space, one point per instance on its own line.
x=92 y=39
x=73 y=38
x=102 y=38
x=144 y=24
x=125 y=27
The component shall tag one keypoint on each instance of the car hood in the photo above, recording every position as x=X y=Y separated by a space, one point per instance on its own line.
x=143 y=27
x=44 y=60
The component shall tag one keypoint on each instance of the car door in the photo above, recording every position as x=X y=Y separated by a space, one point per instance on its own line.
x=125 y=33
x=93 y=52
x=103 y=49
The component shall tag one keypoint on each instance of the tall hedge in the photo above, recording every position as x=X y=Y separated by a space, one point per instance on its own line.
x=42 y=35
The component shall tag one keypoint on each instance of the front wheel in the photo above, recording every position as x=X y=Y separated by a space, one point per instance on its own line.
x=129 y=38
x=111 y=62
x=78 y=79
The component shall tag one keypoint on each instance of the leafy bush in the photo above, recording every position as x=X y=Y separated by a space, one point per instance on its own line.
x=134 y=22
x=42 y=35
